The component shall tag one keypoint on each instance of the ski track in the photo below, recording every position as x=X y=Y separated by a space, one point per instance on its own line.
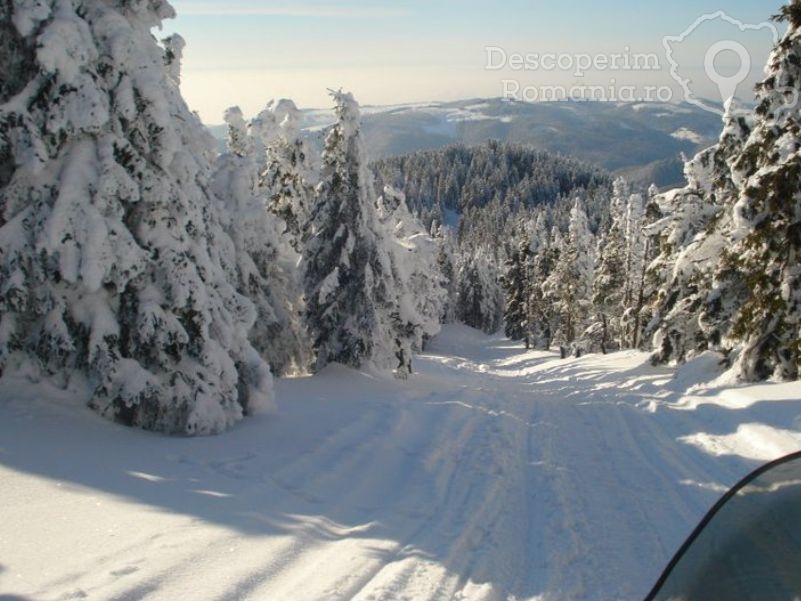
x=493 y=475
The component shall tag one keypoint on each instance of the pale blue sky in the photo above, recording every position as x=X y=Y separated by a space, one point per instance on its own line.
x=248 y=51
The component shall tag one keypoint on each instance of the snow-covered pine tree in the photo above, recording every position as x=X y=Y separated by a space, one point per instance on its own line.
x=419 y=283
x=287 y=174
x=446 y=265
x=692 y=238
x=112 y=257
x=515 y=284
x=636 y=251
x=351 y=300
x=642 y=312
x=683 y=284
x=573 y=277
x=766 y=258
x=539 y=314
x=265 y=261
x=609 y=287
x=480 y=297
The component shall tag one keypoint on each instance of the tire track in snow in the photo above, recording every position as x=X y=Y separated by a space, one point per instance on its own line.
x=469 y=509
x=442 y=459
x=388 y=462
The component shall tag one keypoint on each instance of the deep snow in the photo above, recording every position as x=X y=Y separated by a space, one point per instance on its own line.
x=492 y=474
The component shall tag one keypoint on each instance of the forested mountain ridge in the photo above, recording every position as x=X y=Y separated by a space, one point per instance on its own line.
x=512 y=177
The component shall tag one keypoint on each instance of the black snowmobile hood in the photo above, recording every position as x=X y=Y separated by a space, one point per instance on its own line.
x=748 y=547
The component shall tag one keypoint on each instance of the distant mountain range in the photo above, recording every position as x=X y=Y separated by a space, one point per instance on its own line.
x=644 y=142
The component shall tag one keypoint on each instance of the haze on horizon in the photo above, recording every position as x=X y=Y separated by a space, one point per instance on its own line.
x=245 y=52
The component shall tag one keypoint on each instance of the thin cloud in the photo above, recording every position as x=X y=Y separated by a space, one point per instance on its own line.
x=263 y=9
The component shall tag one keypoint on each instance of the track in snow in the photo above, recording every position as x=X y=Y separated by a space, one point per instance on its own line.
x=493 y=474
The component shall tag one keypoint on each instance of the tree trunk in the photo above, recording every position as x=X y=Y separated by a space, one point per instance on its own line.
x=635 y=335
x=604 y=333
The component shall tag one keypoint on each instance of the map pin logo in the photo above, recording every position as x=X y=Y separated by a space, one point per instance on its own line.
x=727 y=85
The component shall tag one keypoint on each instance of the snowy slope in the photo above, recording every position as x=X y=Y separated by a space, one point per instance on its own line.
x=493 y=474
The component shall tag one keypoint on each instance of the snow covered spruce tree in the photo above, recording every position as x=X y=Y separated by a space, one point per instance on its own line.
x=287 y=175
x=731 y=256
x=265 y=260
x=419 y=283
x=352 y=307
x=572 y=282
x=112 y=257
x=545 y=251
x=446 y=265
x=643 y=313
x=637 y=254
x=516 y=285
x=480 y=297
x=766 y=257
x=635 y=246
x=692 y=237
x=609 y=287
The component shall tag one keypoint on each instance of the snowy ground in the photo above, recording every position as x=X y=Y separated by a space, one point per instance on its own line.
x=493 y=474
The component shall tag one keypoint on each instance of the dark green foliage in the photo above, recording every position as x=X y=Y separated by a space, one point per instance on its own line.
x=768 y=263
x=516 y=285
x=491 y=184
x=737 y=287
x=349 y=298
x=287 y=186
x=479 y=295
x=790 y=12
x=17 y=56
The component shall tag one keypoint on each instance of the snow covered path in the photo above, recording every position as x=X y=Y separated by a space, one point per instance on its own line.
x=493 y=474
